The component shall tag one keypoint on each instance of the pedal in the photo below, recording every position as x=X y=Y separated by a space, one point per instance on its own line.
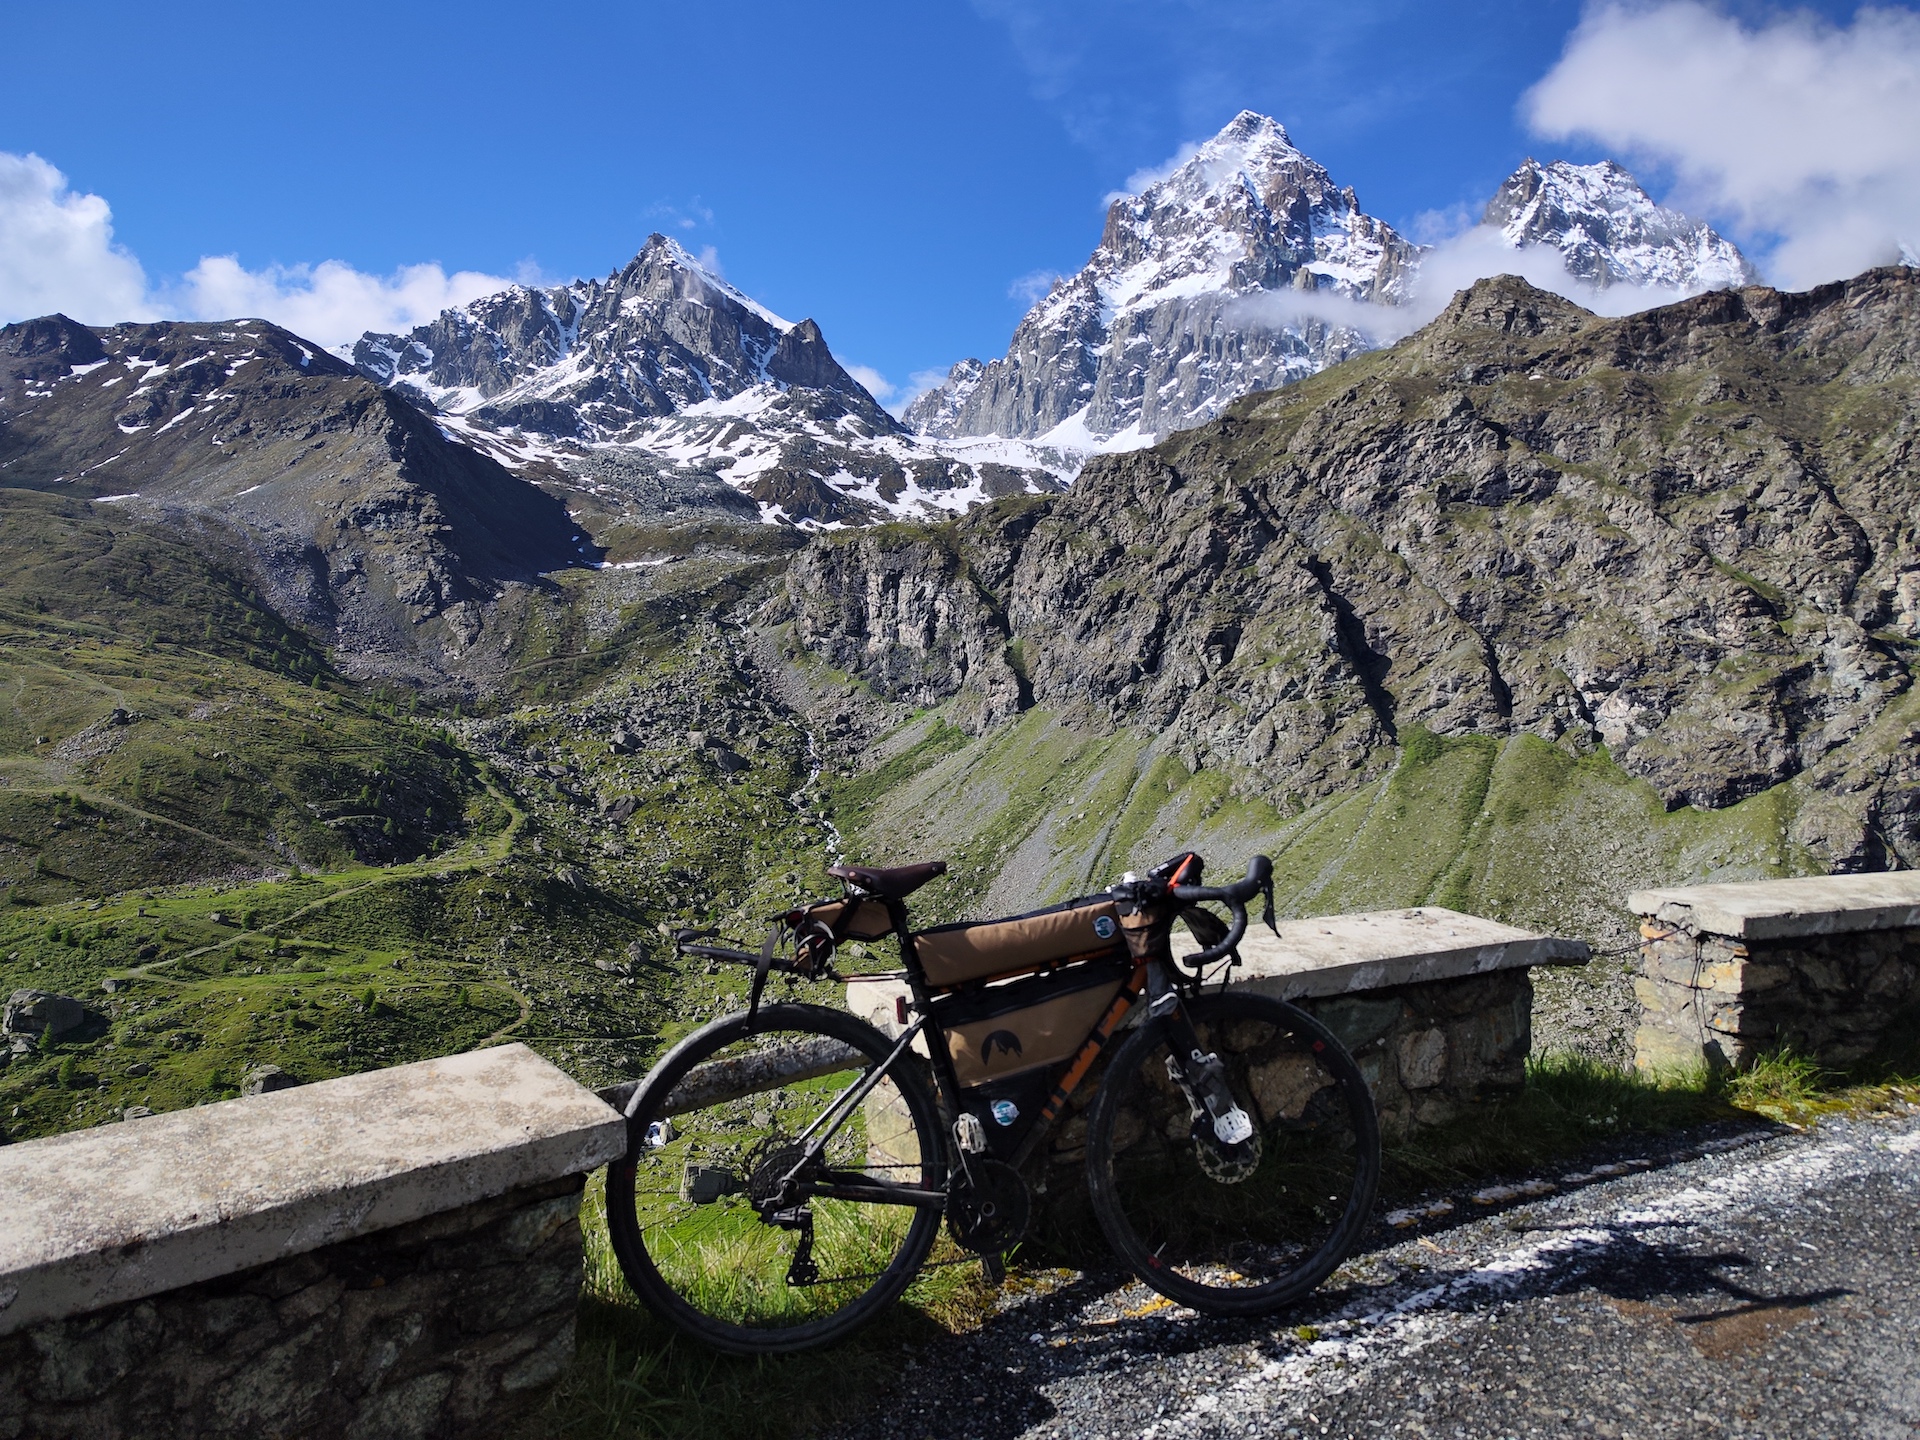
x=969 y=1135
x=993 y=1270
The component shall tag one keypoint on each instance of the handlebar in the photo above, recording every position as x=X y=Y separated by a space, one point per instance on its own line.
x=1259 y=877
x=1257 y=880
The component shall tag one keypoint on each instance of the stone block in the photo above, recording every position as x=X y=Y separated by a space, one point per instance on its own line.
x=421 y=1267
x=1423 y=1059
x=109 y=1214
x=1670 y=963
x=1658 y=1047
x=1358 y=1020
x=1779 y=909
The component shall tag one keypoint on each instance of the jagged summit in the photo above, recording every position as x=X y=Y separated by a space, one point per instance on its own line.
x=664 y=380
x=593 y=359
x=1147 y=337
x=1609 y=231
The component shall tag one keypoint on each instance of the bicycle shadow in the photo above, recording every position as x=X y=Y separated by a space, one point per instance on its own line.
x=994 y=1384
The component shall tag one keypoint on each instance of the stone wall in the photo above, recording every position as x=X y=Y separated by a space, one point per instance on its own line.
x=447 y=1327
x=1724 y=1000
x=1429 y=1052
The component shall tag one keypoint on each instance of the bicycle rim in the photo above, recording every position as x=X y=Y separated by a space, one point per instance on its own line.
x=1242 y=1229
x=739 y=1098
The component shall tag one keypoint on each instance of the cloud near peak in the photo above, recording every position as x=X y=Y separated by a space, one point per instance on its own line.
x=1800 y=132
x=57 y=252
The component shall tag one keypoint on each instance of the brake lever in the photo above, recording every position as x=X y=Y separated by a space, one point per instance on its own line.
x=1266 y=916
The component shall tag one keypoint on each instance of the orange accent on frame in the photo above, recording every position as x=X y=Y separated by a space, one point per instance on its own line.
x=1096 y=1042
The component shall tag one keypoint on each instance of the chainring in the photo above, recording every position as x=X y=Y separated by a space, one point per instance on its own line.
x=988 y=1206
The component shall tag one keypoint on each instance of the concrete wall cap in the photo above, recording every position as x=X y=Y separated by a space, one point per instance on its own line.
x=1330 y=955
x=114 y=1213
x=1379 y=949
x=1780 y=909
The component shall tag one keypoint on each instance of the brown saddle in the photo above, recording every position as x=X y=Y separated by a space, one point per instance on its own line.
x=895 y=883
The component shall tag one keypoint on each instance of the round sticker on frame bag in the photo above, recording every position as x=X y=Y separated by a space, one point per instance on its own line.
x=1103 y=926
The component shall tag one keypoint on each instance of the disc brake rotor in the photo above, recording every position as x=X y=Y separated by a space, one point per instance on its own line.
x=1225 y=1164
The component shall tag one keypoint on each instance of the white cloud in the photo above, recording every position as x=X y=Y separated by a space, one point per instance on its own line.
x=1477 y=252
x=875 y=384
x=1033 y=287
x=895 y=398
x=57 y=253
x=918 y=384
x=57 y=250
x=331 y=302
x=1153 y=174
x=1481 y=251
x=1800 y=132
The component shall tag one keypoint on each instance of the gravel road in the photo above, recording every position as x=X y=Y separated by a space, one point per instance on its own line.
x=1763 y=1285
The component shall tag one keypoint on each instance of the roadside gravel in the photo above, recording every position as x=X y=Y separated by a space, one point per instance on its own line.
x=1754 y=1284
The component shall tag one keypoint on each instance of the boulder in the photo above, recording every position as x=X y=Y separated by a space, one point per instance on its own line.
x=29 y=1012
x=264 y=1078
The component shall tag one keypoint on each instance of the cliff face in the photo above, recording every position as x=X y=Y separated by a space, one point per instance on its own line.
x=1688 y=535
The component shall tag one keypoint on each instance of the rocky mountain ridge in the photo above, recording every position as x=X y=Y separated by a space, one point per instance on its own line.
x=663 y=373
x=1687 y=535
x=365 y=523
x=1248 y=268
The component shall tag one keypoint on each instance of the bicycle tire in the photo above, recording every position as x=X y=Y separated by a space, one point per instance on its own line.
x=1235 y=1230
x=713 y=1267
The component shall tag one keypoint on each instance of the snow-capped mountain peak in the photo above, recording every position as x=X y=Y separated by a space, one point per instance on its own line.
x=1148 y=337
x=686 y=261
x=665 y=376
x=1184 y=305
x=1609 y=231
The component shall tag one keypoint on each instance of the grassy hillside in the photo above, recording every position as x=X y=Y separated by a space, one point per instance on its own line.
x=159 y=724
x=542 y=920
x=1513 y=828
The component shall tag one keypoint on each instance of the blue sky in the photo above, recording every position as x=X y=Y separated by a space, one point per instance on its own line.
x=890 y=169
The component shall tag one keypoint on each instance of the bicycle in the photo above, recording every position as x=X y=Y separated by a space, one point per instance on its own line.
x=789 y=1165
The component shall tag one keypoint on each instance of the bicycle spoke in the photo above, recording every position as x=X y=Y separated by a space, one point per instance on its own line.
x=728 y=1226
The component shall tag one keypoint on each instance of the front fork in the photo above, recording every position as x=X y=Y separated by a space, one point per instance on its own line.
x=1196 y=1071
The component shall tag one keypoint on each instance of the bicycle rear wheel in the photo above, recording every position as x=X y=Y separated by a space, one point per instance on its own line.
x=1235 y=1229
x=717 y=1124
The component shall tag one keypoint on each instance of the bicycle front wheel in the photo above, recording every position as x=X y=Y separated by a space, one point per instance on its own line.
x=720 y=1125
x=1246 y=1228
